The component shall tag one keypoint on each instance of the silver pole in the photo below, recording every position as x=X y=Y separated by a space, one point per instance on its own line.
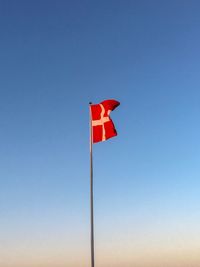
x=91 y=192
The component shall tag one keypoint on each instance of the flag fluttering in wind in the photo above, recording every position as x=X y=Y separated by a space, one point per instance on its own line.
x=102 y=126
x=101 y=129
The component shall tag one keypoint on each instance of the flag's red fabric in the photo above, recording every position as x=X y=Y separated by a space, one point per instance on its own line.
x=102 y=125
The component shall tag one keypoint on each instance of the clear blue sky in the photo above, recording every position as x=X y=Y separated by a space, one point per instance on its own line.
x=55 y=57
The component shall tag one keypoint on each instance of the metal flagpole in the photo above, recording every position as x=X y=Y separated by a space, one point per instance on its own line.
x=91 y=192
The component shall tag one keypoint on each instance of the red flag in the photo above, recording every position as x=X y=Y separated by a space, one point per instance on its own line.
x=102 y=125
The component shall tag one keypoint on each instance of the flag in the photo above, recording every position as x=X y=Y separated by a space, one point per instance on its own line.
x=102 y=126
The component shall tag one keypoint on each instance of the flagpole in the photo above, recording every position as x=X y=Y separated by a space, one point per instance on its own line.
x=91 y=192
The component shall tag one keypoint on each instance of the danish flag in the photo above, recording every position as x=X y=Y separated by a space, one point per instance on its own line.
x=102 y=126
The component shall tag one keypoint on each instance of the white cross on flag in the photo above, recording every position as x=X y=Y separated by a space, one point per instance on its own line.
x=102 y=126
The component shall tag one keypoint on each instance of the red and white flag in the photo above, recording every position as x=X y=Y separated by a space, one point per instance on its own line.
x=102 y=126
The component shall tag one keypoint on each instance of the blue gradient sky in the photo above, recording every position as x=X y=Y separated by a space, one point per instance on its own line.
x=55 y=57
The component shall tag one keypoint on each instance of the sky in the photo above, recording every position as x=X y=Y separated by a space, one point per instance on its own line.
x=56 y=57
